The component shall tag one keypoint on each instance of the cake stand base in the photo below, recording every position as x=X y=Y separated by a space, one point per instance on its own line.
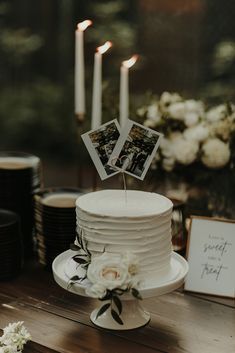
x=133 y=316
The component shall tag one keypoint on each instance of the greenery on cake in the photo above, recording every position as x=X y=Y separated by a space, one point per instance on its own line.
x=82 y=258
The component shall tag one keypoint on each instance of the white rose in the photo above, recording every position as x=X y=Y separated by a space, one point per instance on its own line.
x=216 y=153
x=217 y=113
x=176 y=111
x=109 y=271
x=185 y=151
x=97 y=290
x=197 y=133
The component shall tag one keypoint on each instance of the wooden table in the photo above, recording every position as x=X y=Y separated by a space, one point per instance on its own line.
x=59 y=321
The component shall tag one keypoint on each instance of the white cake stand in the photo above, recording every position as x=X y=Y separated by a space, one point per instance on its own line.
x=133 y=314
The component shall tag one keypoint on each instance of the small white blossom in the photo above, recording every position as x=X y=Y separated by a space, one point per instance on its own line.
x=153 y=113
x=166 y=148
x=216 y=153
x=191 y=118
x=9 y=349
x=167 y=99
x=194 y=110
x=168 y=164
x=176 y=111
x=197 y=133
x=14 y=337
x=141 y=111
x=217 y=113
x=222 y=129
x=150 y=123
x=185 y=151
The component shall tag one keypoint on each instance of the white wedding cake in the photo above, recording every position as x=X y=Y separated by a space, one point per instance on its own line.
x=118 y=221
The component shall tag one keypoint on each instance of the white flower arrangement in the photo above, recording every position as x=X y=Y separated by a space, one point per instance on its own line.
x=14 y=337
x=109 y=275
x=192 y=133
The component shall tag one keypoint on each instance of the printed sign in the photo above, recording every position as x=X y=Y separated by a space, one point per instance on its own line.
x=211 y=256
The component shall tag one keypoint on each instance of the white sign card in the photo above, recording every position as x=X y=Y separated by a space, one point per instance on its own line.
x=211 y=256
x=100 y=144
x=135 y=149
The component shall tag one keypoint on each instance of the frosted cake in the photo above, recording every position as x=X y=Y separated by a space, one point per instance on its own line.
x=139 y=222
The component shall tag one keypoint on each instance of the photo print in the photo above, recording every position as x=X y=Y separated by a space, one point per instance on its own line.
x=135 y=149
x=100 y=144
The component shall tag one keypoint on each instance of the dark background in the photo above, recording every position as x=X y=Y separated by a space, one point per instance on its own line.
x=184 y=46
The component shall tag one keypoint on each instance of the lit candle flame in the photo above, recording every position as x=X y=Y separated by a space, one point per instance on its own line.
x=129 y=63
x=83 y=25
x=103 y=48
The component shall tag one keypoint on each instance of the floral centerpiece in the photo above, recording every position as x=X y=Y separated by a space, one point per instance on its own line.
x=198 y=143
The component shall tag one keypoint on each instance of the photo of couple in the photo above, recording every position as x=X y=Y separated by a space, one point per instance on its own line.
x=130 y=151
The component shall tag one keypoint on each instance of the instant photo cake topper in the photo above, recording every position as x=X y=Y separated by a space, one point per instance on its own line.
x=128 y=151
x=135 y=149
x=100 y=144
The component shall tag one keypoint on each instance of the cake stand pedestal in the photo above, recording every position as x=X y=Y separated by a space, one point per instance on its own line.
x=133 y=314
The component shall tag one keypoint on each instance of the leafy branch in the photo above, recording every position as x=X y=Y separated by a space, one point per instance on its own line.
x=82 y=258
x=115 y=304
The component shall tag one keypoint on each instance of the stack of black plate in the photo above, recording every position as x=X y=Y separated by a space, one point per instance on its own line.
x=11 y=254
x=55 y=221
x=19 y=177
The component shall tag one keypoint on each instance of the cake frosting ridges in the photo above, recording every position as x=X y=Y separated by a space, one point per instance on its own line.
x=139 y=222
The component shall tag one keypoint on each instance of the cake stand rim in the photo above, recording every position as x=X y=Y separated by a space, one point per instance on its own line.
x=79 y=289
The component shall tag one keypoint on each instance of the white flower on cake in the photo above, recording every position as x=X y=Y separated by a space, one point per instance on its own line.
x=111 y=275
x=216 y=154
x=110 y=271
x=14 y=337
x=97 y=290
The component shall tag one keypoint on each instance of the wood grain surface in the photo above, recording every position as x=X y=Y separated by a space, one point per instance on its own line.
x=181 y=322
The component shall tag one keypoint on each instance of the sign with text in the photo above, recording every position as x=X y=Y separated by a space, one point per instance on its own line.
x=211 y=256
